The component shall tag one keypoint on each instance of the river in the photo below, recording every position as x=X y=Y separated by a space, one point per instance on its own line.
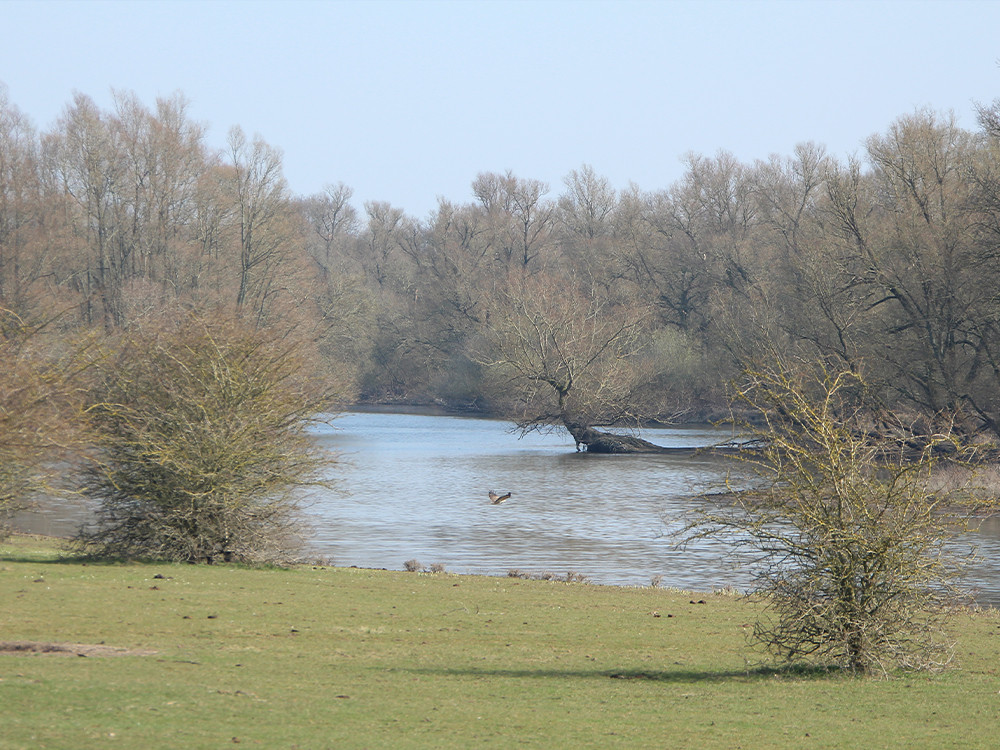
x=414 y=487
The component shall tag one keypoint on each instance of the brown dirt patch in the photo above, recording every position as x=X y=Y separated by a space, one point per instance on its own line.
x=41 y=648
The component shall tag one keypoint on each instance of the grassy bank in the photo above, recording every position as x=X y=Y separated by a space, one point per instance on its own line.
x=201 y=657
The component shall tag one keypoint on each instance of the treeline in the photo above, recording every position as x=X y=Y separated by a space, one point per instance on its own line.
x=588 y=305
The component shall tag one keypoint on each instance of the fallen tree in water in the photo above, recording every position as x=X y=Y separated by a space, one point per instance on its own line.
x=572 y=356
x=598 y=441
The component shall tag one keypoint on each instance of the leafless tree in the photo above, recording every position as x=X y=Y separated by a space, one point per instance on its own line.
x=566 y=356
x=40 y=409
x=334 y=222
x=587 y=207
x=925 y=265
x=520 y=217
x=260 y=196
x=22 y=261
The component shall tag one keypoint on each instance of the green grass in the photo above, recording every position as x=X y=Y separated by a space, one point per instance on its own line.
x=346 y=658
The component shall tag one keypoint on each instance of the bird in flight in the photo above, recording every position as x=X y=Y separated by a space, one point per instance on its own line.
x=497 y=499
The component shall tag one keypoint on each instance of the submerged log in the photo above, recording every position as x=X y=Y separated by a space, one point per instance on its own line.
x=597 y=441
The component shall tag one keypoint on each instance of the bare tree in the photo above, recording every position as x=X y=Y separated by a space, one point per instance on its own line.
x=667 y=257
x=86 y=156
x=584 y=226
x=812 y=279
x=180 y=159
x=587 y=206
x=521 y=218
x=334 y=222
x=925 y=265
x=22 y=260
x=383 y=240
x=261 y=199
x=566 y=356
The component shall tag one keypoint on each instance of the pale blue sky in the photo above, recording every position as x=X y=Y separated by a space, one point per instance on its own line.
x=408 y=101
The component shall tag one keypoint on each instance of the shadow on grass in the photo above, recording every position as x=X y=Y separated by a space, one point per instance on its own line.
x=67 y=559
x=59 y=551
x=751 y=674
x=76 y=558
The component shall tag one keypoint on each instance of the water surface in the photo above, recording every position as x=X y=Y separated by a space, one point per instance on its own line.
x=414 y=487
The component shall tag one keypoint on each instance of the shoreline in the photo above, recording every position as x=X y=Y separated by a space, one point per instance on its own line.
x=57 y=543
x=571 y=577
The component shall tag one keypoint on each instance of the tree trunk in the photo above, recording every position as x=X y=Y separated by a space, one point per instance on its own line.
x=596 y=441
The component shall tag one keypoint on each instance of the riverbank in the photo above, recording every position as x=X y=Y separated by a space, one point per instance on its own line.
x=479 y=409
x=313 y=657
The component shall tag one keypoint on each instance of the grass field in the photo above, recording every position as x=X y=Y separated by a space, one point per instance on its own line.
x=311 y=657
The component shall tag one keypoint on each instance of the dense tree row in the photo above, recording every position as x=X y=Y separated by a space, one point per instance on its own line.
x=885 y=265
x=586 y=306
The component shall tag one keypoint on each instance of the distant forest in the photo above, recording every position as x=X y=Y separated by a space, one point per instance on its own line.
x=575 y=303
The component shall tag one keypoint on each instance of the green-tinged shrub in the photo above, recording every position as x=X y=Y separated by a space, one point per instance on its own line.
x=39 y=410
x=202 y=435
x=848 y=537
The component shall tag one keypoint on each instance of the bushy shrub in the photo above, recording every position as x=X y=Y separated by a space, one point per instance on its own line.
x=39 y=411
x=201 y=429
x=847 y=538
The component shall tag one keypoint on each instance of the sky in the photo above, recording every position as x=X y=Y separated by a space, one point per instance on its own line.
x=407 y=101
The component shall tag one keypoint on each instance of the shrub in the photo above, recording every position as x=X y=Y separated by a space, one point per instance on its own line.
x=39 y=410
x=201 y=429
x=847 y=539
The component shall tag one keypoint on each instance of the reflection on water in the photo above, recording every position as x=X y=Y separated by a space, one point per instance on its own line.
x=415 y=487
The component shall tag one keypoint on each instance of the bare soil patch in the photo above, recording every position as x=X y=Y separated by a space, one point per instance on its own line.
x=42 y=648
